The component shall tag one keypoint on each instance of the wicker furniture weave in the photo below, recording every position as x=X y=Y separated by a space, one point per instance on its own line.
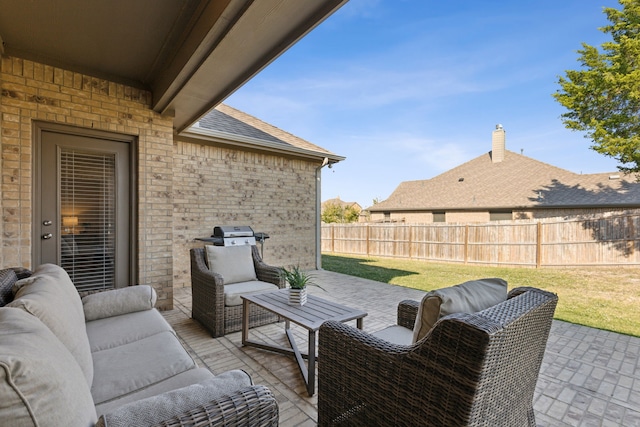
x=470 y=370
x=208 y=296
x=254 y=406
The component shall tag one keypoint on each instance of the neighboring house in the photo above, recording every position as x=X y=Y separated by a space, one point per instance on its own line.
x=503 y=185
x=115 y=87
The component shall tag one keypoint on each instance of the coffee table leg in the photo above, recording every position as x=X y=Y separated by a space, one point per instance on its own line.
x=245 y=321
x=359 y=322
x=311 y=370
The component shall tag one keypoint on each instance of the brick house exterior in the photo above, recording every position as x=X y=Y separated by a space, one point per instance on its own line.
x=503 y=185
x=179 y=63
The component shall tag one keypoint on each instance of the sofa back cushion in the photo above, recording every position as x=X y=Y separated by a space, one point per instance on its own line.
x=41 y=383
x=233 y=263
x=50 y=295
x=467 y=297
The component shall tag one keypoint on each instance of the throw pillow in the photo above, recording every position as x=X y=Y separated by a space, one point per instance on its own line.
x=118 y=301
x=467 y=297
x=233 y=263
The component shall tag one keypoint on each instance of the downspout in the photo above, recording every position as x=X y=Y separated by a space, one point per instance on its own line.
x=325 y=162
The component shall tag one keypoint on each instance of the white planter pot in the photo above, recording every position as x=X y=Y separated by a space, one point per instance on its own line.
x=297 y=296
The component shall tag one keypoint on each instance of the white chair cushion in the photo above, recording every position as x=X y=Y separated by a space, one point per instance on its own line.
x=467 y=297
x=234 y=263
x=50 y=295
x=395 y=334
x=41 y=383
x=233 y=292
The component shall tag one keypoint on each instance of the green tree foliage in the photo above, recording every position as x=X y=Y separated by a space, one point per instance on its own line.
x=603 y=97
x=335 y=212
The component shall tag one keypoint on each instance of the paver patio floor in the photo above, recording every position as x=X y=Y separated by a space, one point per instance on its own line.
x=589 y=377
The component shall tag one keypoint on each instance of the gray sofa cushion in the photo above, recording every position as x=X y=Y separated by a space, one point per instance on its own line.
x=131 y=367
x=192 y=376
x=118 y=301
x=124 y=329
x=153 y=410
x=41 y=383
x=50 y=295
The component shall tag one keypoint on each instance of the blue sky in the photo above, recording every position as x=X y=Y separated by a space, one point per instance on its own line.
x=407 y=89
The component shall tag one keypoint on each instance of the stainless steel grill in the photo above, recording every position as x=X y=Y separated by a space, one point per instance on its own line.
x=233 y=235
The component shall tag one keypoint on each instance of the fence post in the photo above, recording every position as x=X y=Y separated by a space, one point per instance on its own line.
x=367 y=234
x=410 y=241
x=466 y=243
x=539 y=246
x=333 y=239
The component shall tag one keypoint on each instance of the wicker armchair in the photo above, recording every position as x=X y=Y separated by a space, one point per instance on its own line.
x=208 y=306
x=470 y=370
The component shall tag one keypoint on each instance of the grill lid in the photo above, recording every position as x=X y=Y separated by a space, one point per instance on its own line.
x=226 y=231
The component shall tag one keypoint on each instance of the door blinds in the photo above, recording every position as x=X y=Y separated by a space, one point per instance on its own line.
x=87 y=209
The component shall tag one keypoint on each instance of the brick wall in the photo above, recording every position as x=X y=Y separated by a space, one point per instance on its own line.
x=33 y=91
x=215 y=185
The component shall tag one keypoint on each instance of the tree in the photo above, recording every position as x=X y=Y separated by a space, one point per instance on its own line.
x=335 y=212
x=603 y=97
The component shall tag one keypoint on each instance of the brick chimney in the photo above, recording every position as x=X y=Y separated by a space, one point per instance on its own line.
x=498 y=142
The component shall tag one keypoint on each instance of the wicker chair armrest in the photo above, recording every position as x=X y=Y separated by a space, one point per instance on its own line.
x=21 y=272
x=265 y=272
x=250 y=406
x=407 y=313
x=521 y=290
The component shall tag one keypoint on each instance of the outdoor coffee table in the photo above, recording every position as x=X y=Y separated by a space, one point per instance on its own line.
x=310 y=316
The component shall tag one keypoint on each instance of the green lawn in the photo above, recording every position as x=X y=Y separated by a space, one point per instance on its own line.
x=603 y=298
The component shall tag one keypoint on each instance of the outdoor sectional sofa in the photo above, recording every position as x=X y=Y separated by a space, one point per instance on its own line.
x=107 y=359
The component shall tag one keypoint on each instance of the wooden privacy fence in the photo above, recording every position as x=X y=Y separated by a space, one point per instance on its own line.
x=609 y=241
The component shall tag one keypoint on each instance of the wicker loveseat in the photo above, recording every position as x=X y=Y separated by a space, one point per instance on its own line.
x=107 y=359
x=210 y=305
x=469 y=370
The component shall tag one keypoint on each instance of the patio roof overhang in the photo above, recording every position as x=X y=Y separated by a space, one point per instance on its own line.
x=191 y=54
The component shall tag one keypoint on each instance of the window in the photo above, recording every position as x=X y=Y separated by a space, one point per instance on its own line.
x=439 y=217
x=500 y=215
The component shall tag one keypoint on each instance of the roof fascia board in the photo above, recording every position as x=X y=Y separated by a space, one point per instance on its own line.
x=205 y=33
x=186 y=101
x=375 y=208
x=200 y=135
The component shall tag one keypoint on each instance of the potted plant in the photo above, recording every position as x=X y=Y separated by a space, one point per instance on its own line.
x=298 y=281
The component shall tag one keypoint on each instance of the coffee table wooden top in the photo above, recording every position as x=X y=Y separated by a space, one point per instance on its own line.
x=311 y=315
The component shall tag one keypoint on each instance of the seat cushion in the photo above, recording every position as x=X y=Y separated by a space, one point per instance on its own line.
x=395 y=334
x=233 y=263
x=467 y=297
x=124 y=329
x=41 y=384
x=183 y=379
x=233 y=292
x=139 y=364
x=153 y=410
x=50 y=295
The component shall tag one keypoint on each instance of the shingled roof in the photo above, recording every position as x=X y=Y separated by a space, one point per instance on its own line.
x=516 y=182
x=227 y=122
